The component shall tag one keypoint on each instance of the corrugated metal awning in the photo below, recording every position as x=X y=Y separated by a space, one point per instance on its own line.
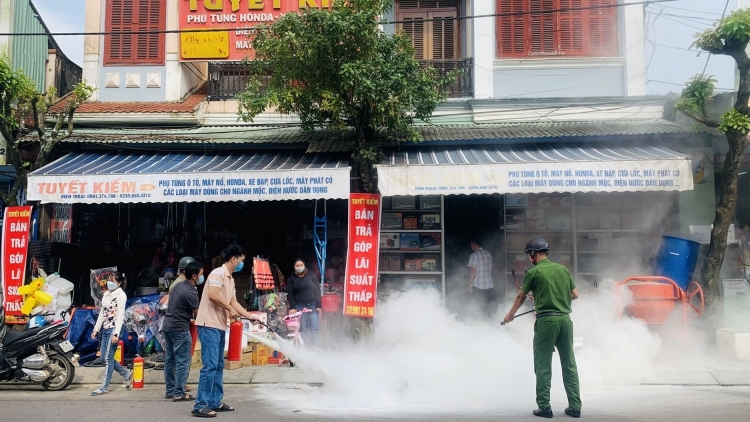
x=189 y=177
x=534 y=168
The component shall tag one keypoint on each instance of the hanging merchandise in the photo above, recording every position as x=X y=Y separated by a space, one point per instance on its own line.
x=142 y=318
x=320 y=233
x=262 y=274
x=99 y=283
x=275 y=306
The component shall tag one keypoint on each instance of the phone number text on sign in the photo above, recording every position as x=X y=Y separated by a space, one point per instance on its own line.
x=360 y=291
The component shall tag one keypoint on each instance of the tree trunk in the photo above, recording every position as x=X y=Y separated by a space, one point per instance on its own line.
x=725 y=212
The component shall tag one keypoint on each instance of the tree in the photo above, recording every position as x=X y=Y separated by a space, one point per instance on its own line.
x=336 y=69
x=728 y=37
x=23 y=110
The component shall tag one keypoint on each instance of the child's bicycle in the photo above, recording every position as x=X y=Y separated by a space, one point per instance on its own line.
x=292 y=322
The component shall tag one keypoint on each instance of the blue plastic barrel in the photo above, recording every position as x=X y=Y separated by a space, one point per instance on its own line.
x=676 y=260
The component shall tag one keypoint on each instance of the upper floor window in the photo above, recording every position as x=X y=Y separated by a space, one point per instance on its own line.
x=531 y=32
x=143 y=45
x=432 y=37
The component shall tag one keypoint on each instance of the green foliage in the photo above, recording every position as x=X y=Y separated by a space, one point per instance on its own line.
x=16 y=92
x=727 y=35
x=697 y=94
x=336 y=69
x=733 y=119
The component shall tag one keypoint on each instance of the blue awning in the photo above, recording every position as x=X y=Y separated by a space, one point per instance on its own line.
x=534 y=168
x=136 y=177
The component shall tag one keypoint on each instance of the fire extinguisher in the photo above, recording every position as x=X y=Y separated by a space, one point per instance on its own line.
x=138 y=372
x=235 y=339
x=119 y=355
x=194 y=336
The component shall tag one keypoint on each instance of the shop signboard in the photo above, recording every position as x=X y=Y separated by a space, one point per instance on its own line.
x=231 y=22
x=190 y=187
x=585 y=176
x=16 y=226
x=361 y=280
x=62 y=221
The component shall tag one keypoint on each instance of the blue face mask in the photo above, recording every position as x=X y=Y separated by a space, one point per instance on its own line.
x=201 y=280
x=239 y=267
x=111 y=285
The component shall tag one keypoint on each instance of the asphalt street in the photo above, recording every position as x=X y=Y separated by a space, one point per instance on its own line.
x=257 y=403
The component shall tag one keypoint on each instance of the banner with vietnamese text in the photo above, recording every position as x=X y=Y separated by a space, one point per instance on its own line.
x=361 y=281
x=16 y=224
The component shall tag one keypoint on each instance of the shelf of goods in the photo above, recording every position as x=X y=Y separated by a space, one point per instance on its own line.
x=591 y=234
x=411 y=243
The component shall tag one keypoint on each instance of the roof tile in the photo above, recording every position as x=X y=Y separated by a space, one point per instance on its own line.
x=187 y=105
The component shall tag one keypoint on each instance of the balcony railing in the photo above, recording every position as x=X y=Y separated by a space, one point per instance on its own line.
x=464 y=86
x=227 y=79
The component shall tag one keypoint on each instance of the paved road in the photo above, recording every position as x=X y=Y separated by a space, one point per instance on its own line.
x=257 y=403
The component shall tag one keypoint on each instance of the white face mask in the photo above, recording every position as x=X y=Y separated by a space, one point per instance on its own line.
x=299 y=270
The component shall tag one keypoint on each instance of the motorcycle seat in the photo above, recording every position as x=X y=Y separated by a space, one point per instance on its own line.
x=13 y=336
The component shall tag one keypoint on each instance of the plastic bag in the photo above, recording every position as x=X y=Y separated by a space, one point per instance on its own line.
x=275 y=305
x=99 y=283
x=142 y=318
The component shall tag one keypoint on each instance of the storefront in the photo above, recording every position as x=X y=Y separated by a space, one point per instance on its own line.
x=143 y=210
x=602 y=208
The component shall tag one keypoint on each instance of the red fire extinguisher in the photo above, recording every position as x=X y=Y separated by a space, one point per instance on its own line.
x=119 y=355
x=194 y=336
x=235 y=339
x=138 y=372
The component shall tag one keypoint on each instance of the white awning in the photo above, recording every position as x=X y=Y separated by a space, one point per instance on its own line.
x=533 y=168
x=94 y=178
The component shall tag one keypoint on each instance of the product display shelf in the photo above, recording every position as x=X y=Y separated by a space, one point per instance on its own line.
x=403 y=265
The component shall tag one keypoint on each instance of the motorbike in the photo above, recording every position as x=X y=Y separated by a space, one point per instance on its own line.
x=40 y=356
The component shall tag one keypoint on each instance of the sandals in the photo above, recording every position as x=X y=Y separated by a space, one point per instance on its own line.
x=206 y=412
x=224 y=408
x=187 y=389
x=185 y=397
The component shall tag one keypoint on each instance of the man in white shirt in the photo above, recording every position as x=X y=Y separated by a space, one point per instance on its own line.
x=480 y=276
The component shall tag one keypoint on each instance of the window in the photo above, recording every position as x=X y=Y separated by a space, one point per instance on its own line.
x=431 y=39
x=531 y=32
x=142 y=17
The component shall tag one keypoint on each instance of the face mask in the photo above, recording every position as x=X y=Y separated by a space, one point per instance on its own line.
x=111 y=285
x=299 y=270
x=239 y=267
x=201 y=280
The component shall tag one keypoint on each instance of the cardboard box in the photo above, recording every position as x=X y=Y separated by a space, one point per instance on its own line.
x=230 y=365
x=260 y=355
x=392 y=221
x=390 y=241
x=566 y=201
x=430 y=221
x=403 y=203
x=413 y=265
x=558 y=223
x=516 y=200
x=429 y=203
x=429 y=264
x=544 y=201
x=250 y=328
x=424 y=279
x=411 y=222
x=540 y=224
x=535 y=213
x=430 y=242
x=394 y=263
x=409 y=241
x=383 y=263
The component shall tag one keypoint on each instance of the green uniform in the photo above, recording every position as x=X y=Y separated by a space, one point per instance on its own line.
x=552 y=285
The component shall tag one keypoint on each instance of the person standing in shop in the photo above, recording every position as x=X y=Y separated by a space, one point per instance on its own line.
x=481 y=286
x=219 y=302
x=554 y=291
x=303 y=289
x=183 y=306
x=110 y=320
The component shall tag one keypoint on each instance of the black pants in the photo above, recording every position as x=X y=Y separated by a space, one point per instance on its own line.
x=485 y=298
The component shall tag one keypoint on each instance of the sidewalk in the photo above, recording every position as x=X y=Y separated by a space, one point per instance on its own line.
x=714 y=371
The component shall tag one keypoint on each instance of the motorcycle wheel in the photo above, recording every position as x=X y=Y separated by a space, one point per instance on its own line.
x=66 y=375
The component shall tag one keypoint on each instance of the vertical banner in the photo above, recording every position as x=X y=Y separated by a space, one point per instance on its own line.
x=361 y=281
x=16 y=224
x=62 y=221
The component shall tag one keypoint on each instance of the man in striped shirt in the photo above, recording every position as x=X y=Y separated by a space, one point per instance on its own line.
x=480 y=275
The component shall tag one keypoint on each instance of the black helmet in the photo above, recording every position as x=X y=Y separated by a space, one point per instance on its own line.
x=538 y=244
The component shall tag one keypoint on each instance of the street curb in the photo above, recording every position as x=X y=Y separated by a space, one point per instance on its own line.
x=258 y=375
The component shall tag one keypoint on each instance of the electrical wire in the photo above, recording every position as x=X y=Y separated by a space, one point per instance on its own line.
x=385 y=22
x=705 y=67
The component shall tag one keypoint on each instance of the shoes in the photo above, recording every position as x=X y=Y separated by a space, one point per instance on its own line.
x=543 y=413
x=99 y=392
x=573 y=413
x=127 y=380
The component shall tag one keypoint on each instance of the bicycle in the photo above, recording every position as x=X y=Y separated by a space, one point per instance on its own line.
x=292 y=322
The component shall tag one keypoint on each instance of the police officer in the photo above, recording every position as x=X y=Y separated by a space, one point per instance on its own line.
x=553 y=290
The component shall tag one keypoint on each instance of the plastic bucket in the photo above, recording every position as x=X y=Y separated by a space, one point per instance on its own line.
x=676 y=260
x=330 y=303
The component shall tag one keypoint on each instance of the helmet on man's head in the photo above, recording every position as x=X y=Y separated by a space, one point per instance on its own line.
x=536 y=245
x=184 y=262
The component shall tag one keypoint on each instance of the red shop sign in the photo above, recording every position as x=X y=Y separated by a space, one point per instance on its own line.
x=361 y=281
x=16 y=225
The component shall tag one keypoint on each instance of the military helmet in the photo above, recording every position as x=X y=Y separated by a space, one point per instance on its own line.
x=538 y=244
x=184 y=262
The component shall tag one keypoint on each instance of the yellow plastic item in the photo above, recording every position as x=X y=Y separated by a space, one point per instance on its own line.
x=38 y=283
x=26 y=290
x=28 y=305
x=43 y=298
